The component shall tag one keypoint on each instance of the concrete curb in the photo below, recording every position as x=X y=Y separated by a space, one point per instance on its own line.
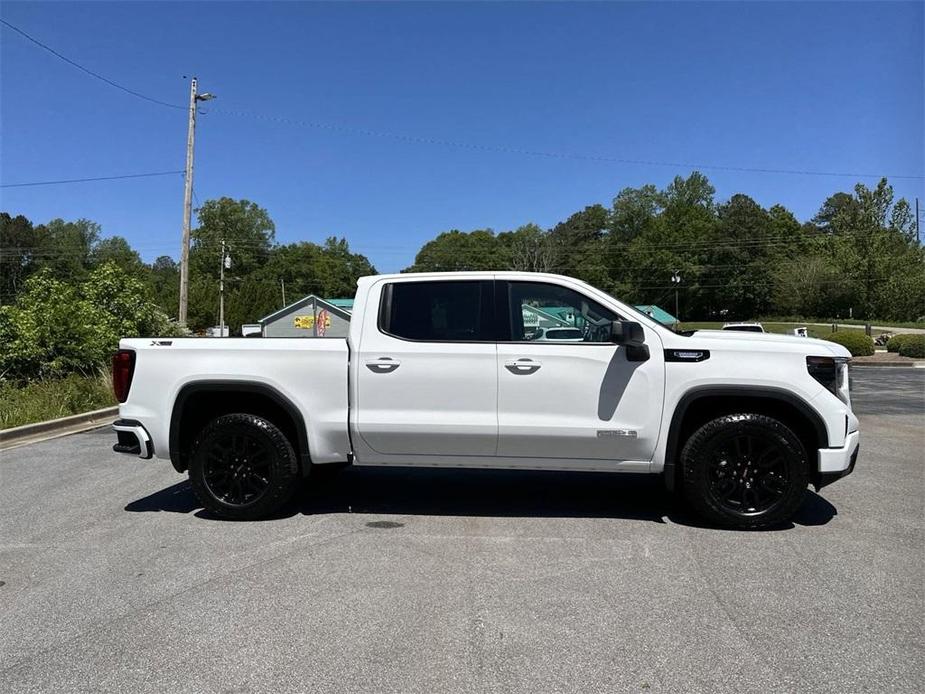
x=40 y=431
x=889 y=364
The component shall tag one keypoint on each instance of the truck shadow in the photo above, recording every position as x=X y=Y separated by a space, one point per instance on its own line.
x=489 y=493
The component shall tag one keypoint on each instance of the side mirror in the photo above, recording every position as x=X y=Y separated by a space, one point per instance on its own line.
x=627 y=333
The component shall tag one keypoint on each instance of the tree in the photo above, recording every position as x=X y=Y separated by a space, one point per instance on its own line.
x=297 y=266
x=57 y=327
x=695 y=191
x=252 y=299
x=116 y=249
x=869 y=238
x=577 y=245
x=679 y=238
x=17 y=254
x=457 y=250
x=339 y=268
x=65 y=247
x=529 y=249
x=740 y=264
x=245 y=227
x=634 y=210
x=835 y=206
x=164 y=280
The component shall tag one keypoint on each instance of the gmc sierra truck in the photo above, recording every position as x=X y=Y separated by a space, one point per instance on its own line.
x=463 y=369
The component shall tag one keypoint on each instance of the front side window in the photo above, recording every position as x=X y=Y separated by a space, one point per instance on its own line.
x=550 y=313
x=437 y=311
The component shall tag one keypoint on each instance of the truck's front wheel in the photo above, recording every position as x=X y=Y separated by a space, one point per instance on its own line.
x=243 y=467
x=745 y=471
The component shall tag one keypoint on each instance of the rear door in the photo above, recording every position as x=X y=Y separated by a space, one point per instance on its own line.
x=427 y=383
x=587 y=399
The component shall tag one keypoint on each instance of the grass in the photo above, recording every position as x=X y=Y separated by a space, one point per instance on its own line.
x=38 y=401
x=785 y=328
x=850 y=321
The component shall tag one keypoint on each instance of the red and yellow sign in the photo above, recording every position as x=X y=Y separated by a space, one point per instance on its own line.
x=308 y=322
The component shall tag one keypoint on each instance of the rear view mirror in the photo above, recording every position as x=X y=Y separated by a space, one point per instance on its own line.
x=627 y=333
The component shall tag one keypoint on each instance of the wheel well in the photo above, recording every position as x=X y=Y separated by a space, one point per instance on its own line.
x=198 y=405
x=694 y=412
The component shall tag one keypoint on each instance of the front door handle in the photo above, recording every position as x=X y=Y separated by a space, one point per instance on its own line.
x=383 y=365
x=523 y=366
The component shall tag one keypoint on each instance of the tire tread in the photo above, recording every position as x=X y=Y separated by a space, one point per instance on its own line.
x=700 y=500
x=285 y=468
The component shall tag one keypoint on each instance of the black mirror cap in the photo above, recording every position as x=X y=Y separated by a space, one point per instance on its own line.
x=627 y=333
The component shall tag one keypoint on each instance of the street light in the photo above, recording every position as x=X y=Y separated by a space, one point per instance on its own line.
x=676 y=281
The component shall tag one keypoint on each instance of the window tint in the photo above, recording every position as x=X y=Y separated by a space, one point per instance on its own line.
x=550 y=313
x=438 y=311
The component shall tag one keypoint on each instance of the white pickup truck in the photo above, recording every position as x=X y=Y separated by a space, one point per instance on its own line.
x=443 y=370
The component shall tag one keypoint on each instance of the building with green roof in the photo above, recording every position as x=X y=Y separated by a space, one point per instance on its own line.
x=658 y=313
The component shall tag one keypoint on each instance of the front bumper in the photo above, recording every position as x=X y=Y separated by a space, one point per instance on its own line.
x=132 y=438
x=835 y=463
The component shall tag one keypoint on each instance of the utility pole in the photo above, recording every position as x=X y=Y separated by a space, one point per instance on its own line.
x=194 y=98
x=226 y=263
x=282 y=285
x=918 y=231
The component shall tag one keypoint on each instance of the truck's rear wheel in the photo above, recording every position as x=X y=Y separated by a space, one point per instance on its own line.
x=243 y=467
x=745 y=471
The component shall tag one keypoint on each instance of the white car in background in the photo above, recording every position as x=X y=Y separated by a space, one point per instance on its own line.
x=745 y=327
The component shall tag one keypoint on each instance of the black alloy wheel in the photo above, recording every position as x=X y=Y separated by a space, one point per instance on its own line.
x=243 y=467
x=745 y=470
x=237 y=468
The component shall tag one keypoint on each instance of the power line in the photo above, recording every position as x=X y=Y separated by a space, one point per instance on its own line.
x=86 y=180
x=90 y=72
x=464 y=145
x=548 y=154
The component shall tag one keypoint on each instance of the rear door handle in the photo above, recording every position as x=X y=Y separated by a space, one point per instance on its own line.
x=383 y=365
x=523 y=366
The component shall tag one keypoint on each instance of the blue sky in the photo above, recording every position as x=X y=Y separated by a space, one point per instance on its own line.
x=824 y=87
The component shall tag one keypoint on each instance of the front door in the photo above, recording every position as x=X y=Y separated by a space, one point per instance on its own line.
x=426 y=373
x=564 y=391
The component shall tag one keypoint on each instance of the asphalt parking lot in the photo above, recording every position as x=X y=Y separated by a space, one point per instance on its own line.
x=393 y=580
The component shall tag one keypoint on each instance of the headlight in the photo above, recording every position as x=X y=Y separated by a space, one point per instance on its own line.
x=832 y=374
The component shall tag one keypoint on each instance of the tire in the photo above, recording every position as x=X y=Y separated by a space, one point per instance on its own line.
x=745 y=471
x=242 y=467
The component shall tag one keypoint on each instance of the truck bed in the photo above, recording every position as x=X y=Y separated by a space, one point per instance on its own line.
x=310 y=373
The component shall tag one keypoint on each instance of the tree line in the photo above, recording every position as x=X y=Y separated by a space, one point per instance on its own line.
x=858 y=256
x=261 y=269
x=67 y=293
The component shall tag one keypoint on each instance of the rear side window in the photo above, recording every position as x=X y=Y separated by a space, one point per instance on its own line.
x=460 y=311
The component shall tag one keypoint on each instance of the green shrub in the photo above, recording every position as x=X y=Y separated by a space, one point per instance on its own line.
x=859 y=344
x=55 y=328
x=40 y=400
x=913 y=346
x=896 y=342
